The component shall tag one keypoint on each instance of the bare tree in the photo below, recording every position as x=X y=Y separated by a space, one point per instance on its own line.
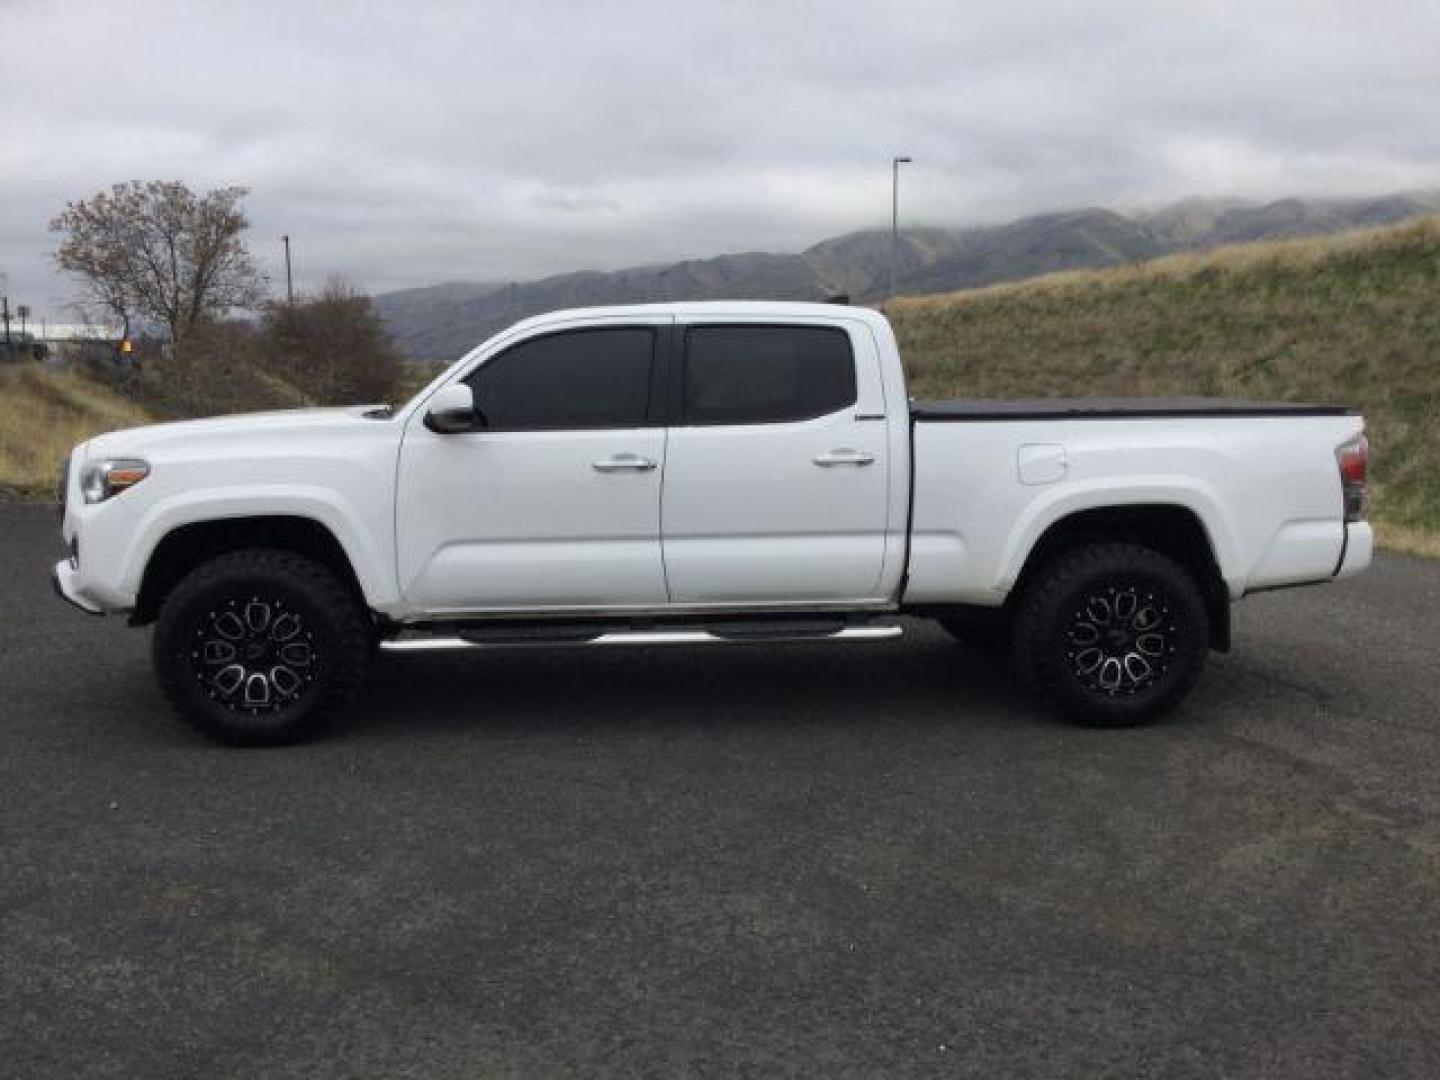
x=159 y=251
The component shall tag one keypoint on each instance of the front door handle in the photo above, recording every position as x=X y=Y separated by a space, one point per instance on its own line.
x=844 y=456
x=623 y=463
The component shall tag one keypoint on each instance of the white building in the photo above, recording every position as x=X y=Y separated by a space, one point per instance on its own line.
x=73 y=333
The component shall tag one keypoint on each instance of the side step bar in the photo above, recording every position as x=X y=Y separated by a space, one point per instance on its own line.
x=638 y=637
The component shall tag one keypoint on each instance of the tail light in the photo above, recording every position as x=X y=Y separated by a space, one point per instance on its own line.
x=1353 y=457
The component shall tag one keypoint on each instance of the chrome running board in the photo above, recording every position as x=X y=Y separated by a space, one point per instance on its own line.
x=639 y=637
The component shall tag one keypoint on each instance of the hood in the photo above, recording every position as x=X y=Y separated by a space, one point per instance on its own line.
x=153 y=437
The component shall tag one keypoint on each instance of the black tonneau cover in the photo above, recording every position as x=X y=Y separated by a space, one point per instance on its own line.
x=1114 y=409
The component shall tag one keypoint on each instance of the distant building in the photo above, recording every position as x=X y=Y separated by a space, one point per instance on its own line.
x=56 y=334
x=99 y=342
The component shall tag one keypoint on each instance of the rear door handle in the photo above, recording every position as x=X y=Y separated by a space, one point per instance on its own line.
x=623 y=463
x=844 y=456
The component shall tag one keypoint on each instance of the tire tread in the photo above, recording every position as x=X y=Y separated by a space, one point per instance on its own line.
x=347 y=655
x=1043 y=598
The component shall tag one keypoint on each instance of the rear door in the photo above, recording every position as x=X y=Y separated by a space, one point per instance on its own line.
x=776 y=485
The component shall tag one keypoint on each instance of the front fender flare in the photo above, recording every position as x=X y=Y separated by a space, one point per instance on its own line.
x=373 y=568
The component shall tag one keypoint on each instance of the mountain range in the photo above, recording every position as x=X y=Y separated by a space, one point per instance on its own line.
x=443 y=321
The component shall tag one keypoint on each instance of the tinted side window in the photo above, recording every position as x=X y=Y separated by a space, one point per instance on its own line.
x=577 y=379
x=766 y=374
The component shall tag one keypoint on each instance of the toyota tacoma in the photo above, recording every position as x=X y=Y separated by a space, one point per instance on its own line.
x=702 y=473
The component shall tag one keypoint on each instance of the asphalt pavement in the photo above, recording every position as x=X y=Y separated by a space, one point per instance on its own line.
x=876 y=860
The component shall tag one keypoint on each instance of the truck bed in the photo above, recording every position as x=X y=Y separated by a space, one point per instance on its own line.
x=1113 y=409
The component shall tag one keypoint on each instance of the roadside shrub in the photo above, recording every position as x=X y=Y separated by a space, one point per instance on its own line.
x=217 y=369
x=333 y=349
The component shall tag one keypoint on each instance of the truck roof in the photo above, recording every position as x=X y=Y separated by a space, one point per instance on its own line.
x=758 y=310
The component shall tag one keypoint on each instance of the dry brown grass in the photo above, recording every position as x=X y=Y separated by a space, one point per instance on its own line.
x=1352 y=319
x=1410 y=541
x=43 y=414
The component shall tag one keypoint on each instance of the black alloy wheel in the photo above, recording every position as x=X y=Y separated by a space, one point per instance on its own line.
x=1111 y=633
x=261 y=646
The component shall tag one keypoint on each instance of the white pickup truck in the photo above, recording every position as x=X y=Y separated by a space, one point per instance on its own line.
x=702 y=473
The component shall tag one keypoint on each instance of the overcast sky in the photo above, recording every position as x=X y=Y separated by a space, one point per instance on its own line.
x=410 y=143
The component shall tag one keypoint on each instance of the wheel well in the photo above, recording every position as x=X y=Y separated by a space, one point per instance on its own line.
x=184 y=548
x=1174 y=531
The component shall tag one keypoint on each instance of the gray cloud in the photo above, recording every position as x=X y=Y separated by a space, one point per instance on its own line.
x=407 y=143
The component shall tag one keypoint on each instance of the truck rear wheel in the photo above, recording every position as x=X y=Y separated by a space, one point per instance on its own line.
x=1113 y=634
x=260 y=646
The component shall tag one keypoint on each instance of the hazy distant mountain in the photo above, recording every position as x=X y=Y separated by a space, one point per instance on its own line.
x=442 y=321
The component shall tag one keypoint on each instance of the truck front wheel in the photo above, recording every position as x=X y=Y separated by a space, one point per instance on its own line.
x=260 y=646
x=1113 y=634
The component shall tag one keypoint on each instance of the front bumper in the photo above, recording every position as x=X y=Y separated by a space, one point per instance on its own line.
x=63 y=578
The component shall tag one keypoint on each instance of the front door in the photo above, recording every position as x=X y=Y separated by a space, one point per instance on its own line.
x=555 y=501
x=776 y=478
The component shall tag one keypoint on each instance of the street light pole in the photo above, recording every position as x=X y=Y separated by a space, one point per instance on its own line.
x=289 y=281
x=895 y=164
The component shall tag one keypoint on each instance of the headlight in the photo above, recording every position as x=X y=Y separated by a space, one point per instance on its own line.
x=105 y=479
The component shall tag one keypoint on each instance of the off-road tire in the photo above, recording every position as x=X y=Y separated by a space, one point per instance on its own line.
x=1160 y=629
x=228 y=628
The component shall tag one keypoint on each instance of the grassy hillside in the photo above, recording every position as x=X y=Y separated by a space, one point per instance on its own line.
x=43 y=414
x=1352 y=319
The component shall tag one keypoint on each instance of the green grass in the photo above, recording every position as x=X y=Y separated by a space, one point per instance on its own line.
x=1353 y=319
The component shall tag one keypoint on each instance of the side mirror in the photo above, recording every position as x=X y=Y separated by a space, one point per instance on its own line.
x=452 y=410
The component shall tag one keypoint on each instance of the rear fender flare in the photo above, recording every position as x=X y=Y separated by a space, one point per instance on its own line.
x=1188 y=494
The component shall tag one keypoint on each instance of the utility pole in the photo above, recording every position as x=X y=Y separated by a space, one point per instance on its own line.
x=895 y=164
x=289 y=281
x=5 y=305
